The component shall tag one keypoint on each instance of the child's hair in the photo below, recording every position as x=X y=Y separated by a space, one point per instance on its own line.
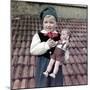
x=48 y=11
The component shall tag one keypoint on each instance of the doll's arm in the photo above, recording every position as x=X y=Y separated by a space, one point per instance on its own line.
x=67 y=51
x=67 y=55
x=38 y=47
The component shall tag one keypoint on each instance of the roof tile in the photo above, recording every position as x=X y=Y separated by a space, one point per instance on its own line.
x=22 y=51
x=85 y=66
x=72 y=52
x=77 y=51
x=31 y=83
x=13 y=44
x=71 y=59
x=20 y=60
x=74 y=80
x=76 y=58
x=16 y=84
x=18 y=44
x=27 y=44
x=81 y=69
x=27 y=51
x=14 y=60
x=31 y=71
x=19 y=37
x=65 y=72
x=24 y=83
x=23 y=44
x=33 y=60
x=67 y=80
x=85 y=79
x=16 y=51
x=14 y=37
x=18 y=72
x=29 y=38
x=12 y=72
x=69 y=69
x=81 y=59
x=25 y=72
x=80 y=79
x=75 y=69
x=26 y=60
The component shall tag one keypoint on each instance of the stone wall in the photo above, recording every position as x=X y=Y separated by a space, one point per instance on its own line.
x=64 y=11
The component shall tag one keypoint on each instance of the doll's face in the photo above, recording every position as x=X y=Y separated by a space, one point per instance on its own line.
x=64 y=35
x=49 y=23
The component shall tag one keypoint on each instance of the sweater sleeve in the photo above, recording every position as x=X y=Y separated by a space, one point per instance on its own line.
x=37 y=47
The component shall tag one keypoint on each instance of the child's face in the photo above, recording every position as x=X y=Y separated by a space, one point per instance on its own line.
x=64 y=35
x=49 y=23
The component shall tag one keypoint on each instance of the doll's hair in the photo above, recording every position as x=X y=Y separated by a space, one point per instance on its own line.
x=68 y=32
x=48 y=11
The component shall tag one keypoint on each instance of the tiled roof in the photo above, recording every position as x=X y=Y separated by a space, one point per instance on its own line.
x=23 y=64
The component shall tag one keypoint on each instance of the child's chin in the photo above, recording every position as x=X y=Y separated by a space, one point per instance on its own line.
x=50 y=30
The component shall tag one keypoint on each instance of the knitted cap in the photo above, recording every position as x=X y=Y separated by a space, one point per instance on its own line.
x=48 y=11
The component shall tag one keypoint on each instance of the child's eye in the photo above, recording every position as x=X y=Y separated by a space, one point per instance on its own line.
x=51 y=22
x=45 y=22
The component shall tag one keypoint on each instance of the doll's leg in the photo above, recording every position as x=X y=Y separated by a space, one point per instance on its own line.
x=50 y=65
x=56 y=68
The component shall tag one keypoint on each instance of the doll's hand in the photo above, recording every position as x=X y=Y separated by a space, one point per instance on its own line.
x=51 y=43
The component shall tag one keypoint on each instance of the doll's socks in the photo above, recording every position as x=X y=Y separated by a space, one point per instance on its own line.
x=46 y=73
x=52 y=75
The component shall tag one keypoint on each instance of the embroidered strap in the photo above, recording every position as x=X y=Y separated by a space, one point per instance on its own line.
x=63 y=44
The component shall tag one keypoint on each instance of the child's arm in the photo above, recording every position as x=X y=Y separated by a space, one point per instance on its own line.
x=38 y=47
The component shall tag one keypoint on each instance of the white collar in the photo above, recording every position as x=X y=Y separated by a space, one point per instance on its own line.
x=44 y=31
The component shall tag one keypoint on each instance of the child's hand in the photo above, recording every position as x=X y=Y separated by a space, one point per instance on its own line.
x=51 y=43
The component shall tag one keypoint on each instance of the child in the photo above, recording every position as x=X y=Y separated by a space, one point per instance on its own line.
x=58 y=56
x=43 y=45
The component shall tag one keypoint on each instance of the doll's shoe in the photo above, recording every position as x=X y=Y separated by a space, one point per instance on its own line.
x=45 y=73
x=52 y=75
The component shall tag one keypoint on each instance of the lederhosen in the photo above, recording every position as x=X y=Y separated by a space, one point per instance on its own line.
x=59 y=53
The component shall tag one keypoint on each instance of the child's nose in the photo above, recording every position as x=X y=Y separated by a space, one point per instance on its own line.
x=48 y=24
